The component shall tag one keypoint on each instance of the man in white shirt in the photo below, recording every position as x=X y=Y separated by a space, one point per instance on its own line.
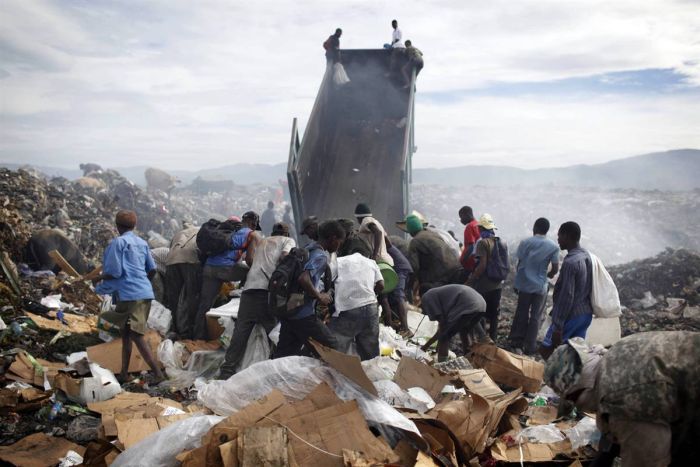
x=396 y=42
x=356 y=316
x=253 y=308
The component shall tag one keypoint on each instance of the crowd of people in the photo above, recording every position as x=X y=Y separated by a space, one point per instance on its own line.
x=352 y=276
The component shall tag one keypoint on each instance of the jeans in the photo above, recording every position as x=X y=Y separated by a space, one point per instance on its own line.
x=252 y=310
x=212 y=279
x=526 y=323
x=360 y=325
x=575 y=327
x=183 y=283
x=295 y=333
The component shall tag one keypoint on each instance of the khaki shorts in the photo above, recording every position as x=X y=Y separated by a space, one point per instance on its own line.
x=134 y=312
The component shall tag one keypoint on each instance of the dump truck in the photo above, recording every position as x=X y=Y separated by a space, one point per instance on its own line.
x=358 y=143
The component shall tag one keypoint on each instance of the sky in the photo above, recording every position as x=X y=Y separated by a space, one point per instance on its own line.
x=188 y=85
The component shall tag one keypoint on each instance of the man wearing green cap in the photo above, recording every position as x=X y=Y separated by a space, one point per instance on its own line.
x=431 y=258
x=645 y=392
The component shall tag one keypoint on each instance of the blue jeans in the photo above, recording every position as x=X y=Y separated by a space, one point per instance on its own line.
x=575 y=327
x=360 y=325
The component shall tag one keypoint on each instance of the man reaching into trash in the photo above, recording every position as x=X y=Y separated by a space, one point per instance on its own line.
x=126 y=269
x=645 y=392
x=457 y=309
x=572 y=312
x=356 y=317
x=253 y=308
x=298 y=329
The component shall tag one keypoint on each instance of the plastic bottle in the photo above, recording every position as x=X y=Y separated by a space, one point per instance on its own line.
x=55 y=410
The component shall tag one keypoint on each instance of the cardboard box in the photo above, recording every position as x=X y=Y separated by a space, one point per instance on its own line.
x=506 y=368
x=479 y=382
x=412 y=373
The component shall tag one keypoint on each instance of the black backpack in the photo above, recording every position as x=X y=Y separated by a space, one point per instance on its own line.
x=499 y=264
x=284 y=282
x=214 y=237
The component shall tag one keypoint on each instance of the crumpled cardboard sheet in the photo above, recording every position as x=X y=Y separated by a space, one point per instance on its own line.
x=506 y=368
x=531 y=452
x=412 y=373
x=38 y=450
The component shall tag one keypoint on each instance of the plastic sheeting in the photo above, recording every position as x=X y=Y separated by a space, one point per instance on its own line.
x=380 y=368
x=296 y=377
x=257 y=349
x=160 y=449
x=585 y=432
x=201 y=363
x=389 y=338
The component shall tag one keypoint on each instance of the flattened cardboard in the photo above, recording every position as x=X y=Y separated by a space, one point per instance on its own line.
x=38 y=450
x=133 y=430
x=412 y=373
x=333 y=429
x=479 y=382
x=262 y=445
x=122 y=400
x=348 y=365
x=75 y=323
x=506 y=368
x=109 y=354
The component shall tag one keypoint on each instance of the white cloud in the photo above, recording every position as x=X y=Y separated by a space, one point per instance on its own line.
x=183 y=84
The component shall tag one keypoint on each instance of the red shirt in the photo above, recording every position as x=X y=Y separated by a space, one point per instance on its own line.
x=471 y=235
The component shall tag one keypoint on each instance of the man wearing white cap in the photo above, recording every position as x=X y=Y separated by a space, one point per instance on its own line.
x=481 y=279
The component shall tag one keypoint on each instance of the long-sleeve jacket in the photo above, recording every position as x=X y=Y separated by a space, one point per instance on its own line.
x=572 y=292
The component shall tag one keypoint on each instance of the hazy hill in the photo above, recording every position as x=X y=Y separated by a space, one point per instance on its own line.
x=670 y=170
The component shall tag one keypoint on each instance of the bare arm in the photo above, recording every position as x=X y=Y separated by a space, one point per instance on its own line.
x=252 y=245
x=553 y=272
x=378 y=239
x=308 y=286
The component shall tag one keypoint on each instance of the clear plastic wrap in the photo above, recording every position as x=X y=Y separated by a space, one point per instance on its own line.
x=584 y=433
x=257 y=349
x=200 y=364
x=540 y=434
x=296 y=377
x=160 y=449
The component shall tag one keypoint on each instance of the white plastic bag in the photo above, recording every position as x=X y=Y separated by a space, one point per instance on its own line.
x=159 y=318
x=340 y=77
x=257 y=349
x=160 y=449
x=605 y=299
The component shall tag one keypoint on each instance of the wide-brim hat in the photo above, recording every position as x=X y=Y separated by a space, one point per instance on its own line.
x=486 y=222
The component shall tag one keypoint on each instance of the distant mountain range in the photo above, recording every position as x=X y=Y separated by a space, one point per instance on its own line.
x=677 y=170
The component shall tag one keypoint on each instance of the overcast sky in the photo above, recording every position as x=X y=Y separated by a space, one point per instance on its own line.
x=193 y=84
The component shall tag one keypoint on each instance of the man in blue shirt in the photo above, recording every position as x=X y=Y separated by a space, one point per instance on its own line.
x=230 y=266
x=297 y=330
x=126 y=270
x=572 y=311
x=535 y=254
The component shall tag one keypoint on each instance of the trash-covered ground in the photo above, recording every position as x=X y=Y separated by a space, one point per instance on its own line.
x=59 y=398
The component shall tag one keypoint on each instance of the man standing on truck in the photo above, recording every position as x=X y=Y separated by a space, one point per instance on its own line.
x=332 y=46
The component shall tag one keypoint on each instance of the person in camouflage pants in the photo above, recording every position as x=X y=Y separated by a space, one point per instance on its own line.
x=645 y=391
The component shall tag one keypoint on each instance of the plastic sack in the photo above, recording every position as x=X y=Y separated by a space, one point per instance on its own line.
x=52 y=301
x=275 y=334
x=380 y=368
x=420 y=400
x=160 y=449
x=420 y=325
x=540 y=434
x=296 y=377
x=605 y=299
x=340 y=77
x=584 y=433
x=228 y=325
x=159 y=318
x=200 y=364
x=257 y=349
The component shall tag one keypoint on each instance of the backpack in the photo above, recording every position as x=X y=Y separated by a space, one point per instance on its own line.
x=499 y=263
x=284 y=282
x=605 y=299
x=214 y=237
